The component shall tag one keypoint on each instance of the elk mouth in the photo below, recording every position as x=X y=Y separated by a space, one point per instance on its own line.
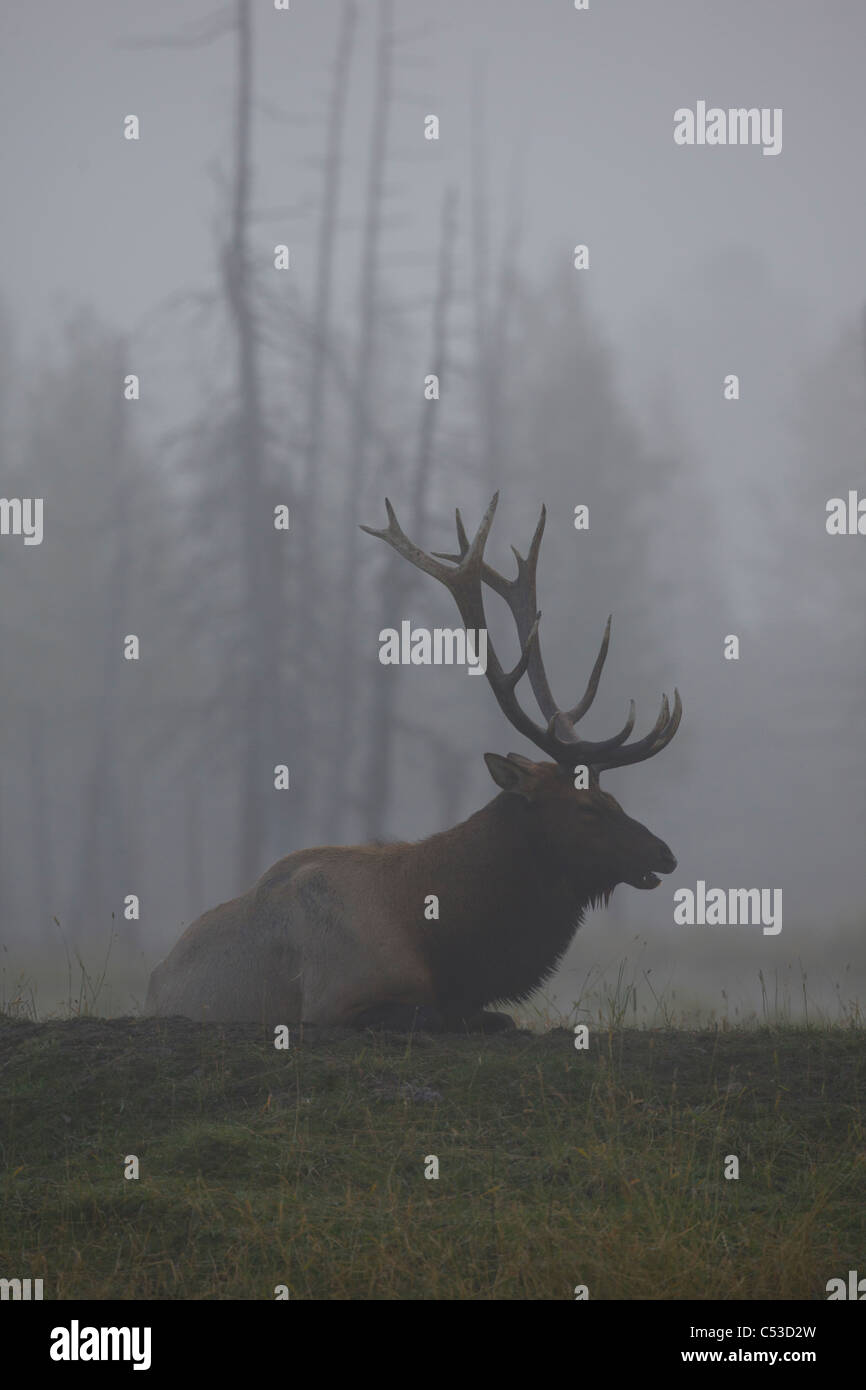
x=647 y=880
x=665 y=864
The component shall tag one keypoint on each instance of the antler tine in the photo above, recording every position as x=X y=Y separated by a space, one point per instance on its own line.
x=465 y=578
x=534 y=545
x=465 y=575
x=396 y=537
x=463 y=543
x=471 y=556
x=520 y=669
x=588 y=696
x=474 y=555
x=520 y=594
x=462 y=538
x=657 y=739
x=562 y=728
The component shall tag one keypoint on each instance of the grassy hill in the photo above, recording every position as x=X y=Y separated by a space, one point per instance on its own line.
x=306 y=1167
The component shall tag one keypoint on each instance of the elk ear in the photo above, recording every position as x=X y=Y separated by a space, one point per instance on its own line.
x=512 y=774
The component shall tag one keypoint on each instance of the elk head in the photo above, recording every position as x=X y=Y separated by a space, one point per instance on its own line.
x=583 y=832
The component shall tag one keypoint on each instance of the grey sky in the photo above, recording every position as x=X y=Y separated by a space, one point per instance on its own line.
x=590 y=96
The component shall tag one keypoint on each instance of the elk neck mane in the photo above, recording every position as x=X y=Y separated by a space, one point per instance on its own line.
x=508 y=908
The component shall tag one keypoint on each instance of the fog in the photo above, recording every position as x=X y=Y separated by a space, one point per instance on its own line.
x=603 y=387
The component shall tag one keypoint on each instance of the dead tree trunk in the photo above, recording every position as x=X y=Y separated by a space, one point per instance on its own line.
x=492 y=324
x=102 y=860
x=368 y=330
x=395 y=593
x=261 y=674
x=42 y=828
x=309 y=530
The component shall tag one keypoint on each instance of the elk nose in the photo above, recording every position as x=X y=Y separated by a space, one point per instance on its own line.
x=667 y=860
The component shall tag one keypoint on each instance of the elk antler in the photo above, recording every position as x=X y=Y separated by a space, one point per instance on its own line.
x=465 y=576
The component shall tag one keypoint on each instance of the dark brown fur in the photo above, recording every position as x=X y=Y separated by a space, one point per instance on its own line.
x=339 y=935
x=514 y=882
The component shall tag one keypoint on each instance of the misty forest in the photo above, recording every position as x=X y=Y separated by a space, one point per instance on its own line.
x=268 y=266
x=305 y=388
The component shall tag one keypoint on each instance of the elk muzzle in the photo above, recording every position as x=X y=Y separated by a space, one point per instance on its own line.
x=661 y=860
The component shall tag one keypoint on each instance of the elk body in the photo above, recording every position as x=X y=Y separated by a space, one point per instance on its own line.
x=338 y=935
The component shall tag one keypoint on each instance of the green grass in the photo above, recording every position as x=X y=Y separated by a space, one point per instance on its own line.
x=306 y=1167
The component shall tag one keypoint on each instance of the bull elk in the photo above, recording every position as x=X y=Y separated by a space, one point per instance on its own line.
x=338 y=935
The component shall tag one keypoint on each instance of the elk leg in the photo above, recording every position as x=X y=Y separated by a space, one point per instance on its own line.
x=401 y=1018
